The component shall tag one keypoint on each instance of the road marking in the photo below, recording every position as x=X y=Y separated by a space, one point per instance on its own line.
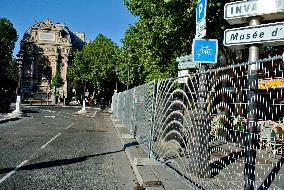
x=50 y=140
x=10 y=173
x=94 y=114
x=69 y=126
x=50 y=116
x=47 y=110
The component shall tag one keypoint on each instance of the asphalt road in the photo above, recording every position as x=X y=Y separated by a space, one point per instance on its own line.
x=54 y=148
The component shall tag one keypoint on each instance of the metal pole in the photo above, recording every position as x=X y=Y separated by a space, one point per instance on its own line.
x=152 y=120
x=127 y=76
x=116 y=85
x=250 y=138
x=18 y=101
x=201 y=132
x=19 y=81
x=129 y=49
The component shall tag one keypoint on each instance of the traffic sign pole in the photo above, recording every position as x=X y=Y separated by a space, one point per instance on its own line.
x=201 y=130
x=253 y=11
x=251 y=134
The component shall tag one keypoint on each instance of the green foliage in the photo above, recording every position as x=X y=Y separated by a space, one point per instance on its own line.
x=241 y=126
x=8 y=38
x=12 y=72
x=95 y=64
x=57 y=81
x=239 y=123
x=164 y=31
x=8 y=66
x=47 y=73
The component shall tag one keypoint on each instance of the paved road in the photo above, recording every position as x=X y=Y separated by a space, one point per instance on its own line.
x=54 y=148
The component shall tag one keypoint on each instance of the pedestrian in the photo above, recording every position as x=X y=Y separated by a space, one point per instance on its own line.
x=102 y=104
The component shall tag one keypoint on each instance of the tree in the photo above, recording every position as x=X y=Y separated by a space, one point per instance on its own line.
x=95 y=65
x=104 y=59
x=57 y=81
x=8 y=66
x=164 y=31
x=79 y=71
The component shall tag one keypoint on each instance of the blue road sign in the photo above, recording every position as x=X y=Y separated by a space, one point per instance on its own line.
x=201 y=10
x=205 y=51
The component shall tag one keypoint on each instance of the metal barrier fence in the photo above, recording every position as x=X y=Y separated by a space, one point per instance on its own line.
x=213 y=145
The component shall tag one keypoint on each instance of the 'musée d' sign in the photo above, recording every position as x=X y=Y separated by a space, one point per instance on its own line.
x=266 y=34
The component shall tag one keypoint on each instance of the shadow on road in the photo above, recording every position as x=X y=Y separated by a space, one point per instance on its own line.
x=29 y=111
x=220 y=164
x=56 y=163
x=272 y=175
x=135 y=143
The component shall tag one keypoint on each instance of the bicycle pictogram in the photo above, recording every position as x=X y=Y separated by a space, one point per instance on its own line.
x=204 y=50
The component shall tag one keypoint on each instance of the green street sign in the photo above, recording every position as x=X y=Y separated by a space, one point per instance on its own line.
x=186 y=65
x=185 y=62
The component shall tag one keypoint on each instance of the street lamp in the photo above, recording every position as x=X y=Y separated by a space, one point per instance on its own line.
x=129 y=49
x=19 y=63
x=115 y=79
x=18 y=112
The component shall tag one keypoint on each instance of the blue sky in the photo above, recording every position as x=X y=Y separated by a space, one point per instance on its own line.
x=109 y=17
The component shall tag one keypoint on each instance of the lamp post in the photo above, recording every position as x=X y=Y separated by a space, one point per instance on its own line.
x=18 y=112
x=115 y=79
x=129 y=49
x=19 y=63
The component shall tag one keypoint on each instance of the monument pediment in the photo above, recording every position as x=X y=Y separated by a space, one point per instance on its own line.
x=45 y=25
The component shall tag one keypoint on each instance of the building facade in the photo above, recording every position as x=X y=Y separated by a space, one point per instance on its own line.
x=46 y=50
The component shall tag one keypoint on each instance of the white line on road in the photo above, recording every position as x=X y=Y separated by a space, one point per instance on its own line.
x=50 y=140
x=10 y=173
x=94 y=114
x=24 y=162
x=69 y=126
x=50 y=116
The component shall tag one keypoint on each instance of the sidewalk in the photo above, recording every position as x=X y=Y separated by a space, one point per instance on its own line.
x=5 y=118
x=149 y=173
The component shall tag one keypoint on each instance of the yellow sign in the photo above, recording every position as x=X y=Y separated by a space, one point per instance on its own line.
x=274 y=83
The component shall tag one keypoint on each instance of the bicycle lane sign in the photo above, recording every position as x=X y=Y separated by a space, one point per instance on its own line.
x=205 y=51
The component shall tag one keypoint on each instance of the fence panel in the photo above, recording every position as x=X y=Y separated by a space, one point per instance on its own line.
x=143 y=112
x=213 y=147
x=128 y=109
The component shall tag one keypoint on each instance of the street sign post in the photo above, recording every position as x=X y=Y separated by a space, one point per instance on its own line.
x=201 y=15
x=265 y=34
x=187 y=65
x=205 y=51
x=185 y=62
x=201 y=34
x=184 y=58
x=183 y=76
x=238 y=12
x=252 y=12
x=202 y=51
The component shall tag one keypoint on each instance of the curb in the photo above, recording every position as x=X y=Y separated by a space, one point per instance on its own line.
x=150 y=174
x=126 y=150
